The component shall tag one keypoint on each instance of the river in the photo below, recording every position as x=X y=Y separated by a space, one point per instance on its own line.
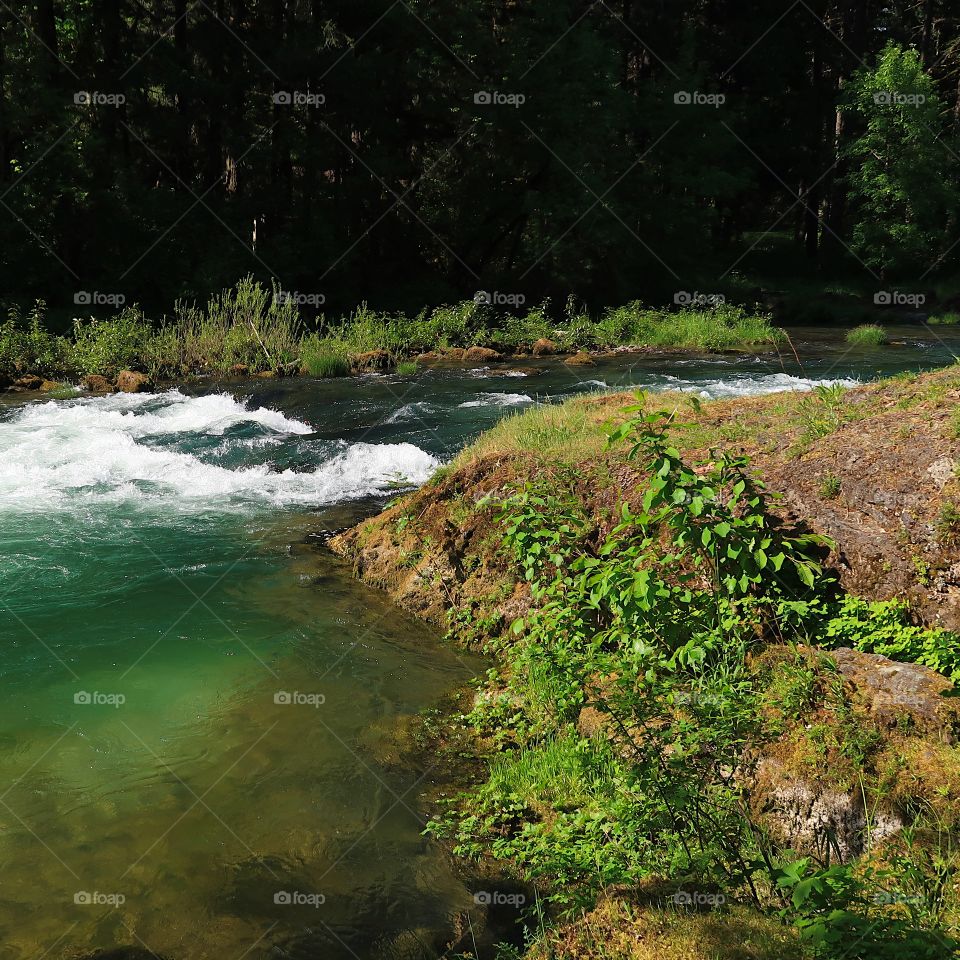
x=201 y=712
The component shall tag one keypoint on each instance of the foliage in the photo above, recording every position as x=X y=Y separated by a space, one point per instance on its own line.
x=650 y=628
x=27 y=347
x=253 y=328
x=884 y=627
x=109 y=346
x=867 y=335
x=902 y=182
x=838 y=913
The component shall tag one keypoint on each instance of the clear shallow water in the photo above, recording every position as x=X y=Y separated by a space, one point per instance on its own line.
x=161 y=601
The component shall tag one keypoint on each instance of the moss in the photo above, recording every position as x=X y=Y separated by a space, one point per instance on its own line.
x=621 y=929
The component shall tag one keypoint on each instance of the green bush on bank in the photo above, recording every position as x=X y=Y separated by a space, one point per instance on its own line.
x=255 y=328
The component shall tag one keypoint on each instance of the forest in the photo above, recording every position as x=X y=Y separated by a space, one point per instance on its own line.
x=409 y=154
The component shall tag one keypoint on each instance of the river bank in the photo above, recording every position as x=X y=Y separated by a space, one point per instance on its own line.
x=853 y=761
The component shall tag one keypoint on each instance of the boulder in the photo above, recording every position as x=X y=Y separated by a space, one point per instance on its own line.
x=431 y=356
x=544 y=348
x=130 y=381
x=456 y=354
x=811 y=819
x=371 y=361
x=897 y=692
x=50 y=385
x=29 y=382
x=481 y=355
x=580 y=359
x=97 y=384
x=239 y=370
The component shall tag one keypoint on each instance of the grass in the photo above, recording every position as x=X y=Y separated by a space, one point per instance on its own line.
x=867 y=335
x=570 y=432
x=321 y=359
x=250 y=329
x=949 y=319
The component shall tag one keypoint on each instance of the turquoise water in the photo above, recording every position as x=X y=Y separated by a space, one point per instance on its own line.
x=199 y=710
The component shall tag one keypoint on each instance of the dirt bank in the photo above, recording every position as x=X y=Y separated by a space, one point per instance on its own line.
x=874 y=468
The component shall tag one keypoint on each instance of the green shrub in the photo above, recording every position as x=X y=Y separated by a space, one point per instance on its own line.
x=867 y=335
x=949 y=319
x=406 y=368
x=26 y=346
x=884 y=627
x=109 y=346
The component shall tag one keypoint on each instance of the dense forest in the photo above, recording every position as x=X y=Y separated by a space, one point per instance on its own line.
x=408 y=153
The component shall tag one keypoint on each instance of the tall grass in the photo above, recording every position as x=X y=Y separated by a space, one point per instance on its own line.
x=867 y=335
x=251 y=328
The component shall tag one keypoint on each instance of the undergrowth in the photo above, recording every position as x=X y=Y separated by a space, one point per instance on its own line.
x=628 y=710
x=252 y=328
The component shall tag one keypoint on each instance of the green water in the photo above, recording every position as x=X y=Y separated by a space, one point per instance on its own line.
x=199 y=799
x=200 y=708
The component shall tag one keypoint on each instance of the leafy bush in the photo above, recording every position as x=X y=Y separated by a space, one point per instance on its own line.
x=26 y=346
x=840 y=916
x=651 y=629
x=884 y=627
x=109 y=346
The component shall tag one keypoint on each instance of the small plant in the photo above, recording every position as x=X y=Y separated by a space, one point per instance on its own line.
x=109 y=346
x=406 y=368
x=948 y=319
x=830 y=487
x=867 y=335
x=947 y=523
x=822 y=412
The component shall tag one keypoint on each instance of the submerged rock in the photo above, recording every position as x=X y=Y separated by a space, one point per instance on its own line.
x=580 y=359
x=130 y=381
x=29 y=382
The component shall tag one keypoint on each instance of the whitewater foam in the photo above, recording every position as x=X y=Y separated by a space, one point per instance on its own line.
x=130 y=449
x=746 y=385
x=498 y=400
